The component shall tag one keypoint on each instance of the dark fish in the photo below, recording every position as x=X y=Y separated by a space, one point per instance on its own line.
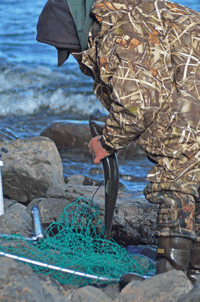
x=111 y=178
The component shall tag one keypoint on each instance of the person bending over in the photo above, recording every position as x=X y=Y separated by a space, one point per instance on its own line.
x=144 y=58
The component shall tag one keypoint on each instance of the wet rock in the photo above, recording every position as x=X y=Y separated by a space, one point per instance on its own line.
x=90 y=293
x=81 y=180
x=86 y=181
x=164 y=287
x=76 y=134
x=31 y=166
x=134 y=218
x=19 y=283
x=16 y=220
x=69 y=134
x=75 y=155
x=99 y=116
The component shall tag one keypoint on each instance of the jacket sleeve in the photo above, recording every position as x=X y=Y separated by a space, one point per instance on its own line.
x=138 y=92
x=134 y=63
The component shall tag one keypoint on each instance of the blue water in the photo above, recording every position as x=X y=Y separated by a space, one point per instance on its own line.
x=29 y=76
x=34 y=91
x=18 y=33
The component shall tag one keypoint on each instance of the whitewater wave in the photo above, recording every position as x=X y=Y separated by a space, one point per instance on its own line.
x=26 y=89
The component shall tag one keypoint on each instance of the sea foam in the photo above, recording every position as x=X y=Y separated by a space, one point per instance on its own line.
x=26 y=89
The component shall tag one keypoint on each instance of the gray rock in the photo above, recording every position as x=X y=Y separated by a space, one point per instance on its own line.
x=134 y=218
x=64 y=191
x=112 y=290
x=69 y=134
x=88 y=294
x=191 y=296
x=8 y=203
x=76 y=134
x=135 y=223
x=31 y=166
x=16 y=220
x=53 y=291
x=81 y=180
x=167 y=287
x=19 y=283
x=50 y=209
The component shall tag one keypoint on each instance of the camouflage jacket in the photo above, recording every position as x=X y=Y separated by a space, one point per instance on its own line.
x=145 y=62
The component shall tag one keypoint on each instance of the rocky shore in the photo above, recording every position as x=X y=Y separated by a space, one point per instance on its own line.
x=33 y=175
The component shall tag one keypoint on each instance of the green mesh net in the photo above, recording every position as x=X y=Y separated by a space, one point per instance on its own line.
x=76 y=241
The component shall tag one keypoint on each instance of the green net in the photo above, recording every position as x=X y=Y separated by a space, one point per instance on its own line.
x=76 y=241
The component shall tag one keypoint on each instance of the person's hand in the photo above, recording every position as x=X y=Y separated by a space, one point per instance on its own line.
x=96 y=149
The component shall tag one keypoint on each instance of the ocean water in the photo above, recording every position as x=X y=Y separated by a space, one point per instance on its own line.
x=34 y=91
x=29 y=76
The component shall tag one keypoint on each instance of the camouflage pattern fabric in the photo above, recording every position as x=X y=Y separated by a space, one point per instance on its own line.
x=197 y=222
x=145 y=62
x=179 y=205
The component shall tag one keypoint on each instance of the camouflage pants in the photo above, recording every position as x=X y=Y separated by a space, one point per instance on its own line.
x=179 y=205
